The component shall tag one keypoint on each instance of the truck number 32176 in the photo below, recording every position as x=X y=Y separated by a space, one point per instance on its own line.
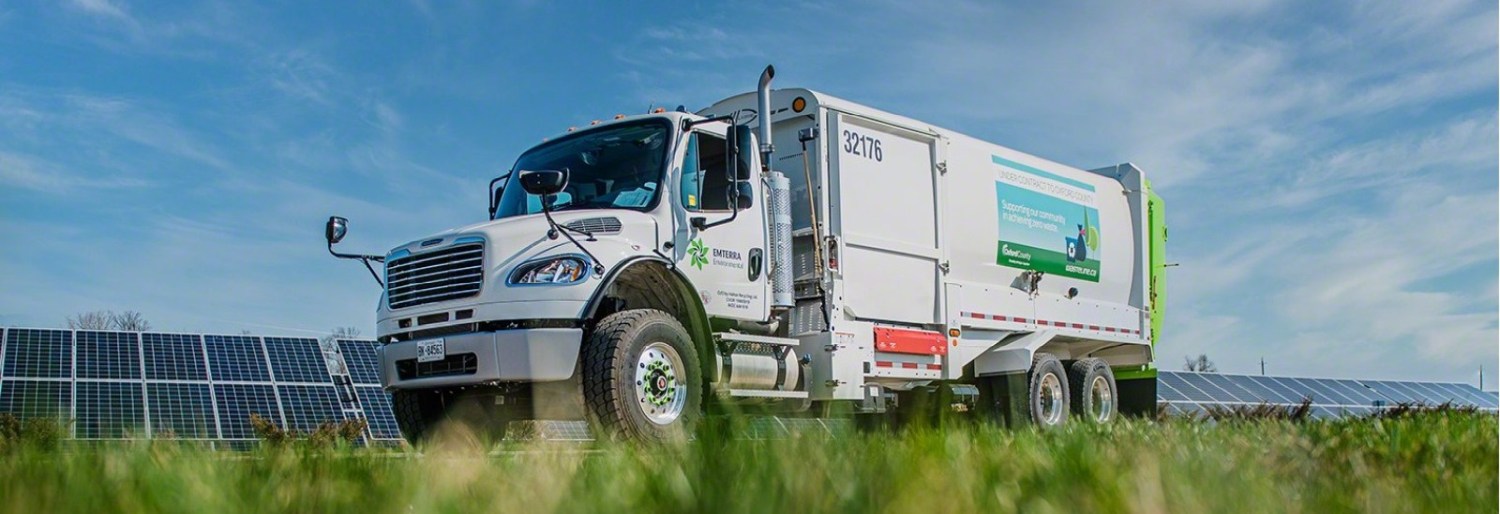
x=862 y=145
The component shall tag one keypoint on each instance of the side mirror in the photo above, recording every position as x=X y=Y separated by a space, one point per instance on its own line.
x=744 y=151
x=335 y=229
x=544 y=182
x=495 y=194
x=744 y=195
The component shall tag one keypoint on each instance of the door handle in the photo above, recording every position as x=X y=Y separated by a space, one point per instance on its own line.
x=757 y=257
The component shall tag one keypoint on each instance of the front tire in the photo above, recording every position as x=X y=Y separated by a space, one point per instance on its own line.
x=420 y=412
x=417 y=412
x=642 y=380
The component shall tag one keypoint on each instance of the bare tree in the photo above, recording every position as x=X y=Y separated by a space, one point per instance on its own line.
x=130 y=321
x=1199 y=364
x=127 y=321
x=95 y=320
x=330 y=345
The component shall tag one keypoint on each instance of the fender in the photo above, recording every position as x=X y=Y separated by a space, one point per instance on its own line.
x=697 y=317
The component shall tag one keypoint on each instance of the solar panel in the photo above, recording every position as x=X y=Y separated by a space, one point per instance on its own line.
x=1391 y=393
x=113 y=355
x=1169 y=393
x=1488 y=400
x=184 y=411
x=236 y=402
x=1460 y=393
x=28 y=399
x=296 y=359
x=1230 y=384
x=236 y=359
x=1355 y=391
x=1327 y=393
x=109 y=410
x=116 y=385
x=37 y=353
x=378 y=413
x=1205 y=382
x=173 y=357
x=1276 y=392
x=306 y=407
x=359 y=358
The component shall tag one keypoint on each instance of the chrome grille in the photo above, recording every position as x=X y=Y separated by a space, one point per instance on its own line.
x=597 y=226
x=450 y=273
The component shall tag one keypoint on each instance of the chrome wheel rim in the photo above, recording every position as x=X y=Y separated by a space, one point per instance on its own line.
x=660 y=389
x=1103 y=400
x=1051 y=401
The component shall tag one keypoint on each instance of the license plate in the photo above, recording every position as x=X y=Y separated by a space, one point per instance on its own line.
x=431 y=350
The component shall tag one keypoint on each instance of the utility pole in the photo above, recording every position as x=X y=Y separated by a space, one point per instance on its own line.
x=1263 y=366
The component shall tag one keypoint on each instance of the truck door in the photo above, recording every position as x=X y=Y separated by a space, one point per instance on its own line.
x=885 y=182
x=726 y=263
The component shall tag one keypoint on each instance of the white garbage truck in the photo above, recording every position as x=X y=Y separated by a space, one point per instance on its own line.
x=834 y=259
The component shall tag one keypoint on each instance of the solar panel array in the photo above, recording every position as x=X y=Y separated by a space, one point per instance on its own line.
x=124 y=385
x=121 y=385
x=1193 y=393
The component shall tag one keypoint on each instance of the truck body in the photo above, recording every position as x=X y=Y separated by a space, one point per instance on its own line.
x=844 y=259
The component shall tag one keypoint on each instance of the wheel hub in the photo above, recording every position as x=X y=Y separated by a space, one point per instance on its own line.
x=1051 y=400
x=662 y=396
x=1103 y=399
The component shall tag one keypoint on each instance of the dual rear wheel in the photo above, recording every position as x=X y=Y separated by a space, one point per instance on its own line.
x=1085 y=389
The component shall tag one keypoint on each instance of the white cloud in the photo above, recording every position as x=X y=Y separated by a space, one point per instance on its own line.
x=29 y=172
x=103 y=8
x=301 y=74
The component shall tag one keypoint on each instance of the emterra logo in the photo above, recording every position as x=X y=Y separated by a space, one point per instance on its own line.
x=698 y=252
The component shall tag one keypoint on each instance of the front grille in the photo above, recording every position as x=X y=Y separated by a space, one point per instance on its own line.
x=460 y=364
x=450 y=273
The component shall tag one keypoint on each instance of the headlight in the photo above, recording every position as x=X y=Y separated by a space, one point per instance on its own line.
x=551 y=271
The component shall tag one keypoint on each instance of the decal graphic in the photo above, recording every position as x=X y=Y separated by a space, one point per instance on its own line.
x=1048 y=222
x=698 y=253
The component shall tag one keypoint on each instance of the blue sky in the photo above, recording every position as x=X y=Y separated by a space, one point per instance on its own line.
x=1330 y=167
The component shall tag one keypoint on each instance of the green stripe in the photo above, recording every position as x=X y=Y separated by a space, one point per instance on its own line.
x=1135 y=374
x=1034 y=171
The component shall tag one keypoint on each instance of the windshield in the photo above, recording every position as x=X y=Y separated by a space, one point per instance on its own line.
x=619 y=167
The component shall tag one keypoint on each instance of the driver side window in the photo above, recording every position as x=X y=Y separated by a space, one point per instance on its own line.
x=705 y=187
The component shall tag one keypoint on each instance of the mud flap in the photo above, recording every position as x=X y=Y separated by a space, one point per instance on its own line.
x=1137 y=397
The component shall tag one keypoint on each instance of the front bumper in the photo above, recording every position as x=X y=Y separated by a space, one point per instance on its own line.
x=521 y=355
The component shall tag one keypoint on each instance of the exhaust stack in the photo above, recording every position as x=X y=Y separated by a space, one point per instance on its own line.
x=779 y=212
x=763 y=98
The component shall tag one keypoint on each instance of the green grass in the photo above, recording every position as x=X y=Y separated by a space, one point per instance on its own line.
x=1424 y=462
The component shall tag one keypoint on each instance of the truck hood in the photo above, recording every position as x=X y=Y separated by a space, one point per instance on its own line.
x=619 y=235
x=526 y=236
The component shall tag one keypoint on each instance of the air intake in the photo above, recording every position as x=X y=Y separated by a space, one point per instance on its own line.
x=780 y=213
x=598 y=226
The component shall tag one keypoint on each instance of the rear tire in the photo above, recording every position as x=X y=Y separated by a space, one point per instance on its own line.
x=642 y=379
x=1096 y=398
x=1047 y=392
